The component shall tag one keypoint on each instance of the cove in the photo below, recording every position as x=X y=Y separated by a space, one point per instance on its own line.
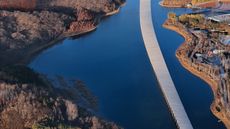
x=113 y=63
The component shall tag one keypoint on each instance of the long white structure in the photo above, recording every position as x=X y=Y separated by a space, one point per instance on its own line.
x=159 y=66
x=221 y=18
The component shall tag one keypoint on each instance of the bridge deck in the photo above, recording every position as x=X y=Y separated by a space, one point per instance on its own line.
x=159 y=66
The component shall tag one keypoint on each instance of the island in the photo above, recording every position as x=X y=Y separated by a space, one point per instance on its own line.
x=206 y=54
x=29 y=99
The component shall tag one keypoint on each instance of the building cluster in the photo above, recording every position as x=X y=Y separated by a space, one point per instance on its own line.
x=210 y=56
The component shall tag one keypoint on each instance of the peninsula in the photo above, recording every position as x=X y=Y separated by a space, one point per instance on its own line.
x=206 y=54
x=28 y=99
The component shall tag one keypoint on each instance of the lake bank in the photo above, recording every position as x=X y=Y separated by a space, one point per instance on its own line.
x=31 y=54
x=196 y=69
x=195 y=94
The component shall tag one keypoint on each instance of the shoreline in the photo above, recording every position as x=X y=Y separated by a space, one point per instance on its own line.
x=182 y=62
x=202 y=75
x=33 y=53
x=29 y=83
x=112 y=13
x=171 y=5
x=115 y=11
x=39 y=49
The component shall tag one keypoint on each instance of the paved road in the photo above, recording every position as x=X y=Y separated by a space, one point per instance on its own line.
x=159 y=66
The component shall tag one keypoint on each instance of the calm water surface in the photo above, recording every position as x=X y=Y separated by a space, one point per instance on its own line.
x=113 y=63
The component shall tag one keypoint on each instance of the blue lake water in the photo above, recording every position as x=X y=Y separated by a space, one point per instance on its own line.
x=113 y=63
x=195 y=94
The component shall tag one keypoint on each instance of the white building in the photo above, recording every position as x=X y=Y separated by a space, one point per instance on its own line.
x=221 y=18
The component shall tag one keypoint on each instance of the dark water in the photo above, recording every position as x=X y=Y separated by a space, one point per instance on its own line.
x=195 y=94
x=113 y=63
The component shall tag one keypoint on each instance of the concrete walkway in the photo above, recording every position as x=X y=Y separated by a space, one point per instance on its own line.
x=159 y=66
